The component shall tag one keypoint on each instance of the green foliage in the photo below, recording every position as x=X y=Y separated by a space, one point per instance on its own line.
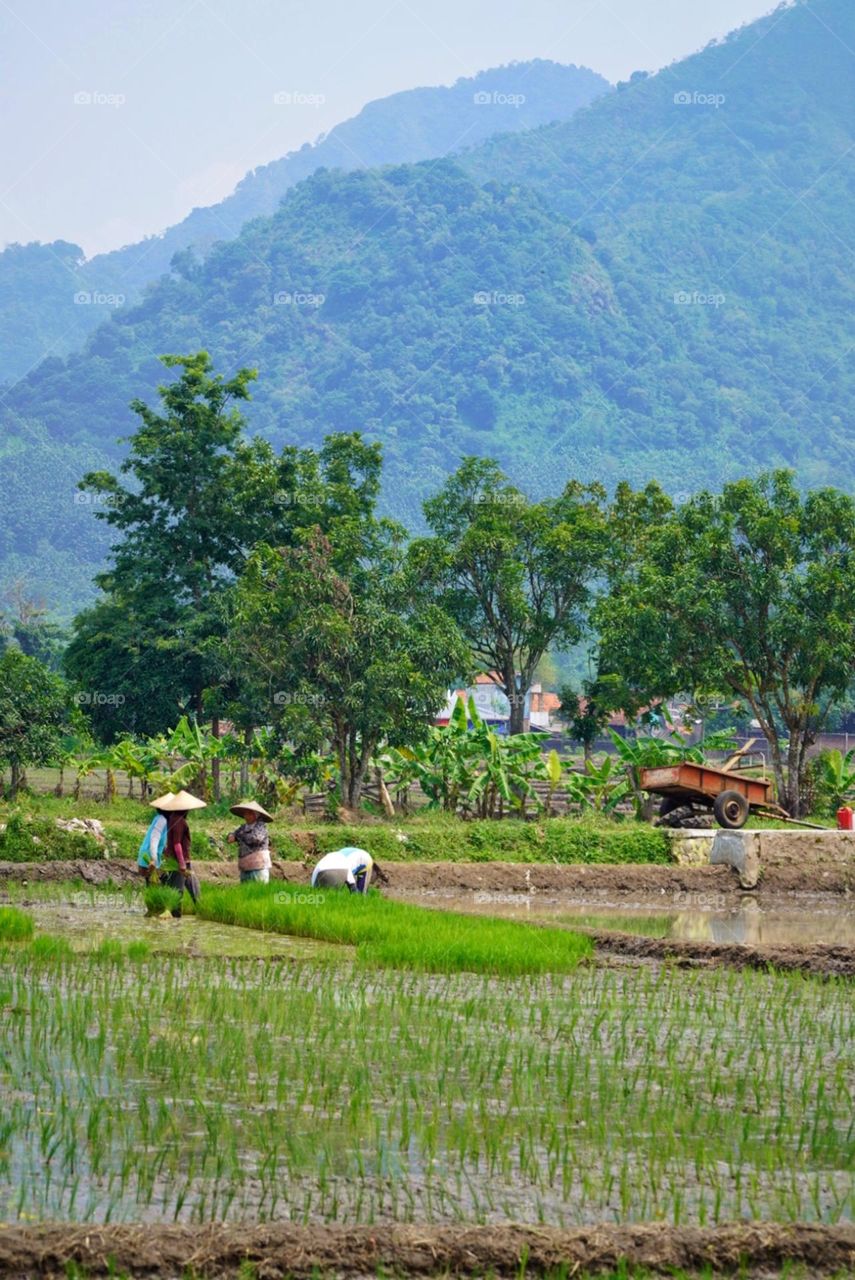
x=393 y=934
x=567 y=841
x=752 y=591
x=516 y=575
x=349 y=651
x=15 y=925
x=40 y=283
x=40 y=840
x=834 y=780
x=465 y=766
x=750 y=306
x=598 y=787
x=36 y=712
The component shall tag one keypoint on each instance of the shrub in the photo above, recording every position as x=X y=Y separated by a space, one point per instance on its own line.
x=40 y=840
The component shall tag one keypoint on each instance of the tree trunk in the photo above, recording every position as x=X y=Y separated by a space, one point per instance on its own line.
x=385 y=798
x=60 y=786
x=215 y=762
x=517 y=701
x=244 y=762
x=795 y=761
x=110 y=787
x=15 y=781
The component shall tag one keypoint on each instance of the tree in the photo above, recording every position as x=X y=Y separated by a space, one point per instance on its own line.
x=199 y=497
x=36 y=712
x=355 y=658
x=28 y=625
x=587 y=713
x=750 y=591
x=516 y=575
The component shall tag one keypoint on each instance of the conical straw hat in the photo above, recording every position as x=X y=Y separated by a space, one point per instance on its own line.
x=243 y=805
x=181 y=802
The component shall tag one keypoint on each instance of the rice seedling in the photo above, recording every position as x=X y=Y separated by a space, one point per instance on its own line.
x=159 y=899
x=394 y=934
x=15 y=925
x=323 y=1092
x=46 y=947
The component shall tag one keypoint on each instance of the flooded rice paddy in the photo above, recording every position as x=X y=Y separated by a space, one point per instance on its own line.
x=199 y=1085
x=681 y=916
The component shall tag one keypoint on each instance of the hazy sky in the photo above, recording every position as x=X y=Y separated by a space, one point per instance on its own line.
x=118 y=116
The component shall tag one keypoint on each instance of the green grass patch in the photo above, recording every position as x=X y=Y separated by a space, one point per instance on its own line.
x=441 y=838
x=398 y=935
x=425 y=837
x=37 y=839
x=15 y=925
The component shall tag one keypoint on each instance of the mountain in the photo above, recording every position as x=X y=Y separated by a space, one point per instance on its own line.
x=660 y=287
x=51 y=298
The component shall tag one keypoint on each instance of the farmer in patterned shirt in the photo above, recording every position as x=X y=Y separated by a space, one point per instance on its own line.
x=252 y=841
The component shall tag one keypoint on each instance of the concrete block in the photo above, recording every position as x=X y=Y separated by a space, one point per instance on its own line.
x=740 y=850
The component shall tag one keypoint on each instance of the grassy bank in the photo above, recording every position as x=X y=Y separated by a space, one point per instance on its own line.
x=31 y=834
x=397 y=935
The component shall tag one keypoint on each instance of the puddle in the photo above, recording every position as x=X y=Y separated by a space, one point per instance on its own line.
x=88 y=922
x=681 y=916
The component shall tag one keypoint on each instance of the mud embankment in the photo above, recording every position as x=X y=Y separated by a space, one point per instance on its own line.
x=278 y=1250
x=498 y=877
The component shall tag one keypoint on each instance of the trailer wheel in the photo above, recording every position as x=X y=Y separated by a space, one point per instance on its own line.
x=731 y=810
x=669 y=804
x=687 y=816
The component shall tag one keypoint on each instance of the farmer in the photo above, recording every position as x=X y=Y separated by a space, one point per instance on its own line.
x=349 y=867
x=176 y=872
x=252 y=841
x=154 y=841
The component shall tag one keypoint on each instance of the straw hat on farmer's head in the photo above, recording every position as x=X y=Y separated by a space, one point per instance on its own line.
x=250 y=806
x=181 y=802
x=162 y=802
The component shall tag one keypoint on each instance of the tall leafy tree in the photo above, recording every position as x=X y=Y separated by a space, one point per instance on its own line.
x=750 y=591
x=194 y=496
x=349 y=651
x=36 y=712
x=516 y=575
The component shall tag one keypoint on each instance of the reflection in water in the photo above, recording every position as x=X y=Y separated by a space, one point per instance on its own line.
x=685 y=916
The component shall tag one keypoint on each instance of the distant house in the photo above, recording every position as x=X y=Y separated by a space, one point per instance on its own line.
x=494 y=708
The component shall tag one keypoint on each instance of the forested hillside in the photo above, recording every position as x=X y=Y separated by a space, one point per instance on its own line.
x=50 y=298
x=661 y=287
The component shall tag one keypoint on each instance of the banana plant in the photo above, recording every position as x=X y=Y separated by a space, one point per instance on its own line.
x=554 y=774
x=598 y=788
x=838 y=777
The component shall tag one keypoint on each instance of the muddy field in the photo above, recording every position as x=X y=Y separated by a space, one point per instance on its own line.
x=278 y=1251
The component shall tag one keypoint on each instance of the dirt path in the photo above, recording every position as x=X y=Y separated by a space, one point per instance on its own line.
x=279 y=1250
x=816 y=958
x=585 y=881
